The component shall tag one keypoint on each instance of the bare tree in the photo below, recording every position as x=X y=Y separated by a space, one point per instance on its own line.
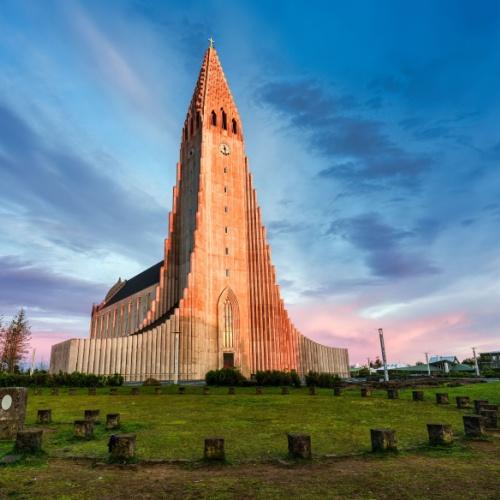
x=14 y=341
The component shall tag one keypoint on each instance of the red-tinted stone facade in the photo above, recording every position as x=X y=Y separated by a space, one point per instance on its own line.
x=214 y=300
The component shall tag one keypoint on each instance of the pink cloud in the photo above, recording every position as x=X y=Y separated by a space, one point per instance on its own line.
x=406 y=338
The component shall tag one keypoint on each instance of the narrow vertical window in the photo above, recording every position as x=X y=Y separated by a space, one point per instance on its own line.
x=227 y=273
x=185 y=133
x=227 y=251
x=225 y=209
x=225 y=189
x=224 y=120
x=214 y=118
x=228 y=324
x=198 y=120
x=234 y=126
x=225 y=170
x=226 y=230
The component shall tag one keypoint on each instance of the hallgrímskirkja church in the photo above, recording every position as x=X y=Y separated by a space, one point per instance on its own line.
x=213 y=300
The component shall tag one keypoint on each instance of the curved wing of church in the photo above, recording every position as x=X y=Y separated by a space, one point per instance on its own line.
x=213 y=300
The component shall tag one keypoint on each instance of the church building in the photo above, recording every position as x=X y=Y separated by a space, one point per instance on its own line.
x=213 y=300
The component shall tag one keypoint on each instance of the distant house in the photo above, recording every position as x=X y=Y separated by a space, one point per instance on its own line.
x=489 y=359
x=437 y=365
x=444 y=364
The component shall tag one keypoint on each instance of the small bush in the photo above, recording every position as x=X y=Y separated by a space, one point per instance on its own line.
x=322 y=379
x=151 y=382
x=42 y=378
x=225 y=376
x=277 y=378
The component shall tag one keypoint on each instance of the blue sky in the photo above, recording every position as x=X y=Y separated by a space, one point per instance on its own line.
x=371 y=129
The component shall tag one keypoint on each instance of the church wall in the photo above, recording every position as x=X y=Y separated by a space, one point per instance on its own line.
x=123 y=317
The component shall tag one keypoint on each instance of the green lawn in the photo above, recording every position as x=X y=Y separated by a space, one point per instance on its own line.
x=172 y=426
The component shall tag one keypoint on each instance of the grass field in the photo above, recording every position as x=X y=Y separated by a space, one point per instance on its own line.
x=172 y=427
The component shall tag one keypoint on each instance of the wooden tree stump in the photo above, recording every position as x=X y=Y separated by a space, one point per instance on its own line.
x=206 y=391
x=231 y=391
x=92 y=391
x=473 y=426
x=337 y=391
x=383 y=440
x=392 y=393
x=181 y=390
x=312 y=390
x=28 y=441
x=285 y=390
x=112 y=421
x=92 y=415
x=417 y=395
x=113 y=391
x=258 y=391
x=299 y=446
x=487 y=406
x=44 y=416
x=134 y=391
x=366 y=392
x=214 y=449
x=122 y=447
x=442 y=398
x=440 y=434
x=490 y=418
x=158 y=391
x=478 y=403
x=463 y=402
x=83 y=429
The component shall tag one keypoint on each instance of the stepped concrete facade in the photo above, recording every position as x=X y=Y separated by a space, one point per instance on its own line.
x=213 y=300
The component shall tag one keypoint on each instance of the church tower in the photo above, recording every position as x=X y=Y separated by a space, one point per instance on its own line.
x=213 y=301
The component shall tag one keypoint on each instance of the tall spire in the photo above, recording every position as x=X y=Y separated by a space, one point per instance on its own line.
x=212 y=92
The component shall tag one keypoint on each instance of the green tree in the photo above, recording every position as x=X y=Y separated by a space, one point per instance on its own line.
x=14 y=341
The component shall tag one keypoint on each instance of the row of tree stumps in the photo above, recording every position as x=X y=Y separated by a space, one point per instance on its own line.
x=122 y=446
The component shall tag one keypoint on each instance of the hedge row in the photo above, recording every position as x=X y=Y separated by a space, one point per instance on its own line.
x=277 y=378
x=42 y=378
x=225 y=376
x=318 y=379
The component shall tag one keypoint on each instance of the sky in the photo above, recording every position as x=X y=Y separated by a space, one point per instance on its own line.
x=372 y=131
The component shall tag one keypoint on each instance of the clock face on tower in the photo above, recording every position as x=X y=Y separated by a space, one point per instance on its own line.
x=224 y=148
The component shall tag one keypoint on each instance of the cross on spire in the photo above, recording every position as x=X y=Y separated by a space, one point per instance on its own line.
x=211 y=42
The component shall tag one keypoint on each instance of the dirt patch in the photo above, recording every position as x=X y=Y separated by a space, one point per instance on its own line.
x=464 y=473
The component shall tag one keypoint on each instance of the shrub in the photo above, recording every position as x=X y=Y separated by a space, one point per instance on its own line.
x=277 y=378
x=322 y=379
x=295 y=378
x=42 y=378
x=225 y=376
x=151 y=381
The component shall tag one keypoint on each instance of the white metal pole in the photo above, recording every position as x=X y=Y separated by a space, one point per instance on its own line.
x=384 y=359
x=428 y=365
x=476 y=366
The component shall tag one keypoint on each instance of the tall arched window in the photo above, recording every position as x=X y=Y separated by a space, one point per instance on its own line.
x=224 y=120
x=228 y=324
x=214 y=118
x=234 y=126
